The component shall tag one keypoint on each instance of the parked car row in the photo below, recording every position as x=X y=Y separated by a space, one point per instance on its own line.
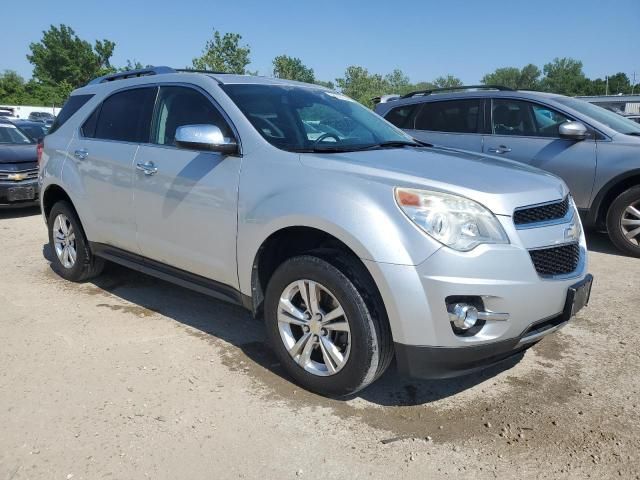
x=355 y=242
x=595 y=151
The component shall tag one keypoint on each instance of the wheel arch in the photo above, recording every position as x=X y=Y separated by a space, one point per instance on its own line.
x=53 y=194
x=287 y=242
x=608 y=193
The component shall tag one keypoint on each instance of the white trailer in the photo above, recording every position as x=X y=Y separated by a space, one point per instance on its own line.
x=23 y=111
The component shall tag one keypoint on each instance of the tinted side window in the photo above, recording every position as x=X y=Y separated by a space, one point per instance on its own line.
x=547 y=121
x=88 y=128
x=459 y=116
x=126 y=116
x=178 y=106
x=402 y=117
x=517 y=117
x=71 y=106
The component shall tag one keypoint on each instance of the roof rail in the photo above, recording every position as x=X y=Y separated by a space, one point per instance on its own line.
x=195 y=70
x=464 y=87
x=132 y=74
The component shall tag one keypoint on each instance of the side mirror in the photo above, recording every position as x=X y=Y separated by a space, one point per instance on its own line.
x=205 y=137
x=573 y=131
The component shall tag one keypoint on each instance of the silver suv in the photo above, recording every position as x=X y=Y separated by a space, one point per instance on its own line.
x=353 y=241
x=596 y=151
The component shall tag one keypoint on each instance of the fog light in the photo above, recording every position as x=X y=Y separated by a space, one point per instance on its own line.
x=464 y=316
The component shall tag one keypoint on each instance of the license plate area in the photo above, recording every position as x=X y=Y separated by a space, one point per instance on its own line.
x=578 y=297
x=16 y=194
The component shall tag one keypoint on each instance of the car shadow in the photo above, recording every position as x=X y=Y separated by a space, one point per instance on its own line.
x=18 y=212
x=215 y=320
x=601 y=243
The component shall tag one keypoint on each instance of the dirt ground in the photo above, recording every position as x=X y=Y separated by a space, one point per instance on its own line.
x=129 y=377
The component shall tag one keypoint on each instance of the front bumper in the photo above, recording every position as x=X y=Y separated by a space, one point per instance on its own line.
x=446 y=362
x=502 y=276
x=9 y=199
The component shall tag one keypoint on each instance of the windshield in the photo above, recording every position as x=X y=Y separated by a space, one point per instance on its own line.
x=602 y=115
x=306 y=119
x=10 y=134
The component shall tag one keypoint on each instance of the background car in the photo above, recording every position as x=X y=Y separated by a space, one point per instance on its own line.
x=7 y=114
x=36 y=130
x=43 y=117
x=596 y=151
x=18 y=166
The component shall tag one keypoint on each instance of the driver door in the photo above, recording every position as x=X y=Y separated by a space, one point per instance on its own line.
x=528 y=132
x=186 y=201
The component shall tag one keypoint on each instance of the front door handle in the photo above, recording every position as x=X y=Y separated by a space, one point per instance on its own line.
x=499 y=149
x=81 y=154
x=148 y=168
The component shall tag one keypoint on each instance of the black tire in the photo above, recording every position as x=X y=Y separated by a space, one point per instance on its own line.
x=371 y=348
x=86 y=265
x=615 y=216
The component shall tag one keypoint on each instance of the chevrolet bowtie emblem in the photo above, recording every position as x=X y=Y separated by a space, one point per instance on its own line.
x=17 y=176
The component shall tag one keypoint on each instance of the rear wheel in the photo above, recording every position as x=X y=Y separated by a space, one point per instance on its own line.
x=322 y=330
x=623 y=221
x=72 y=258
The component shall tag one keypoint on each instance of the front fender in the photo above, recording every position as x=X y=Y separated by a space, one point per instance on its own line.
x=370 y=223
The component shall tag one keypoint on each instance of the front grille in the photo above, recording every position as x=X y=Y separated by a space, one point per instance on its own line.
x=541 y=213
x=29 y=174
x=556 y=260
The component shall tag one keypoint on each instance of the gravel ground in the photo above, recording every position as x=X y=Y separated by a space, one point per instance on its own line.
x=129 y=377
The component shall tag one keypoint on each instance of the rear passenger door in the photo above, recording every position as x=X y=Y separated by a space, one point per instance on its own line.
x=455 y=123
x=186 y=211
x=528 y=132
x=103 y=151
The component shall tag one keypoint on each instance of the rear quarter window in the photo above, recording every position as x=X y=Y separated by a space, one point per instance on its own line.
x=71 y=106
x=455 y=116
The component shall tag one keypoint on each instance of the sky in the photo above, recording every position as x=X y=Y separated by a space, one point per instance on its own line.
x=424 y=39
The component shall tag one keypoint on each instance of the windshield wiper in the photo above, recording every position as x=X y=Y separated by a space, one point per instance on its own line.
x=635 y=134
x=324 y=149
x=396 y=144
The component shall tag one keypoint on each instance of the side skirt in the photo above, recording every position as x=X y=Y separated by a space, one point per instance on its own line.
x=171 y=274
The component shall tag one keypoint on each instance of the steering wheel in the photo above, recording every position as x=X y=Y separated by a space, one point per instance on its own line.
x=326 y=135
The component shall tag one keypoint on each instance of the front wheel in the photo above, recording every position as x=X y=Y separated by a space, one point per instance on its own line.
x=72 y=258
x=321 y=328
x=623 y=221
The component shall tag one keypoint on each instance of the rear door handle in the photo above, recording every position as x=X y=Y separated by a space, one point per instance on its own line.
x=81 y=154
x=148 y=168
x=499 y=149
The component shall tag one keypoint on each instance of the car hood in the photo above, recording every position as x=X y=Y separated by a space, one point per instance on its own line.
x=18 y=153
x=499 y=184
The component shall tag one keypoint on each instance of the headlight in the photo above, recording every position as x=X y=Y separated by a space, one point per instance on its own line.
x=455 y=221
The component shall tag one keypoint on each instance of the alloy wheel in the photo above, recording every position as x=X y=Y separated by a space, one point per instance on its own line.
x=64 y=240
x=630 y=223
x=314 y=328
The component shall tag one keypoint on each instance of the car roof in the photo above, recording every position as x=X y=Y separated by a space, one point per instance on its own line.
x=455 y=95
x=23 y=121
x=167 y=75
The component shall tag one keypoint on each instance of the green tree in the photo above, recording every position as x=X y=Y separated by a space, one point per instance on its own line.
x=132 y=65
x=564 y=76
x=397 y=82
x=526 y=79
x=619 y=83
x=330 y=85
x=12 y=88
x=223 y=53
x=292 y=68
x=447 y=81
x=361 y=85
x=61 y=56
